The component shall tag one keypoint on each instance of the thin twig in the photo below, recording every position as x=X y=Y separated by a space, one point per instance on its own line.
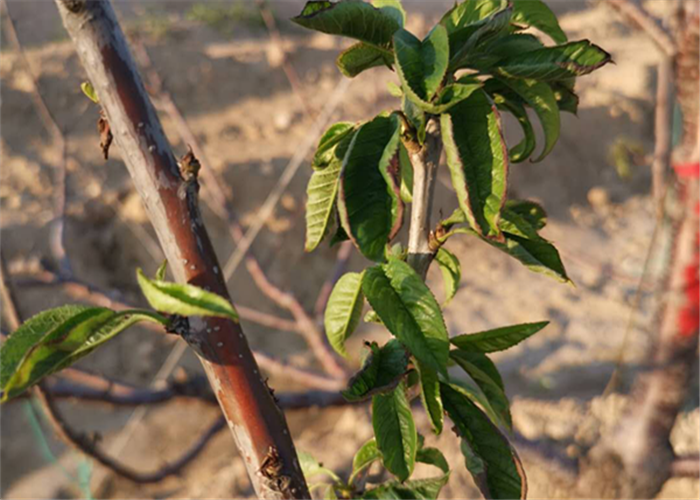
x=644 y=21
x=686 y=466
x=287 y=67
x=57 y=234
x=663 y=126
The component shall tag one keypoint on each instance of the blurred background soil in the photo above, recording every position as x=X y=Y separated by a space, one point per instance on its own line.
x=218 y=62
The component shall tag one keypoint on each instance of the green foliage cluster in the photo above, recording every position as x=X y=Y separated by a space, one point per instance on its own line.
x=481 y=59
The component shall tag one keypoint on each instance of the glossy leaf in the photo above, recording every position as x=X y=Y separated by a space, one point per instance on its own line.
x=478 y=161
x=507 y=100
x=380 y=373
x=485 y=374
x=567 y=100
x=57 y=338
x=451 y=272
x=430 y=396
x=421 y=66
x=554 y=63
x=469 y=12
x=420 y=489
x=498 y=339
x=343 y=310
x=395 y=431
x=433 y=456
x=409 y=310
x=466 y=43
x=370 y=208
x=360 y=57
x=351 y=18
x=537 y=14
x=184 y=300
x=502 y=475
x=540 y=97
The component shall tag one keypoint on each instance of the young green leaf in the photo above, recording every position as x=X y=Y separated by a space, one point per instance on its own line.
x=57 y=338
x=343 y=310
x=353 y=19
x=406 y=174
x=184 y=300
x=421 y=66
x=89 y=92
x=433 y=456
x=478 y=161
x=365 y=456
x=369 y=204
x=311 y=467
x=160 y=272
x=420 y=489
x=540 y=97
x=430 y=395
x=451 y=272
x=502 y=475
x=360 y=57
x=380 y=373
x=555 y=63
x=485 y=374
x=409 y=310
x=537 y=14
x=395 y=431
x=498 y=339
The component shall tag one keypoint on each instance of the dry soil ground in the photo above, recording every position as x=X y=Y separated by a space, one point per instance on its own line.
x=226 y=79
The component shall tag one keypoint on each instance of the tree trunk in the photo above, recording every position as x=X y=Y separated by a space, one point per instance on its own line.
x=257 y=424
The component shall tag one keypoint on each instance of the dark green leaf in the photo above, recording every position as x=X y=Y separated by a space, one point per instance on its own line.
x=409 y=310
x=567 y=100
x=469 y=12
x=530 y=211
x=433 y=456
x=430 y=395
x=507 y=100
x=498 y=339
x=482 y=370
x=395 y=431
x=421 y=489
x=466 y=43
x=351 y=18
x=343 y=310
x=184 y=300
x=421 y=66
x=380 y=373
x=451 y=272
x=57 y=338
x=502 y=475
x=370 y=209
x=478 y=160
x=537 y=14
x=360 y=57
x=540 y=97
x=554 y=63
x=392 y=8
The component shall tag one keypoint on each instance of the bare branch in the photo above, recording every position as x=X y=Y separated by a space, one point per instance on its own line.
x=171 y=202
x=663 y=126
x=686 y=466
x=643 y=20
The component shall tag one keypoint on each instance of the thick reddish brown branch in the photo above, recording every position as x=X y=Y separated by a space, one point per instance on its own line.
x=256 y=421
